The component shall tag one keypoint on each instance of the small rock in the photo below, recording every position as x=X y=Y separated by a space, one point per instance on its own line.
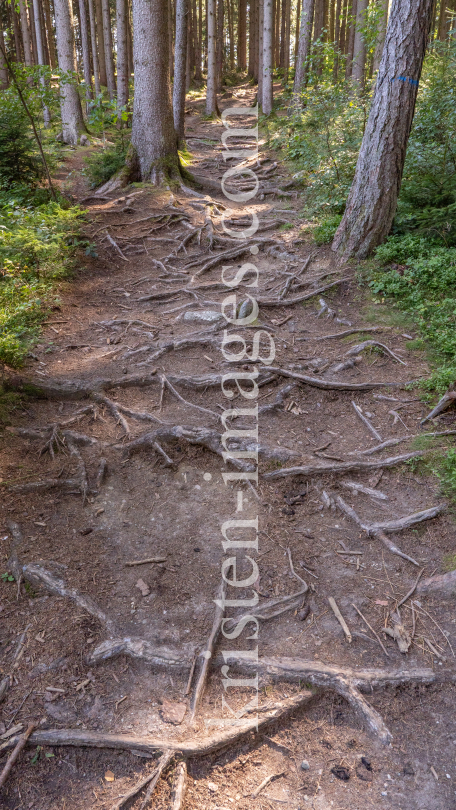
x=212 y=787
x=245 y=309
x=84 y=141
x=384 y=793
x=203 y=316
x=143 y=587
x=305 y=765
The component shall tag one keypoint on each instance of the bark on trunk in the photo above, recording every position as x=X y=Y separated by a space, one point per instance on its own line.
x=3 y=68
x=319 y=24
x=93 y=39
x=371 y=204
x=85 y=49
x=268 y=22
x=32 y=31
x=17 y=36
x=50 y=33
x=26 y=39
x=298 y=21
x=256 y=52
x=242 y=35
x=351 y=38
x=107 y=38
x=198 y=41
x=101 y=45
x=359 y=47
x=153 y=151
x=220 y=42
x=211 y=89
x=278 y=18
x=40 y=56
x=260 y=51
x=180 y=68
x=381 y=34
x=231 y=33
x=122 y=57
x=302 y=62
x=70 y=103
x=337 y=39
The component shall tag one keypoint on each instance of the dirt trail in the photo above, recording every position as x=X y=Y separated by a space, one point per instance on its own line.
x=120 y=461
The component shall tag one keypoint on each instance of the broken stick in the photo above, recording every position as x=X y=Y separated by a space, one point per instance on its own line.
x=206 y=654
x=22 y=742
x=340 y=619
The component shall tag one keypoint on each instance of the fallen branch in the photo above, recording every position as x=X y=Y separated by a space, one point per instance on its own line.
x=340 y=619
x=365 y=421
x=373 y=493
x=206 y=654
x=266 y=782
x=150 y=779
x=279 y=302
x=179 y=786
x=441 y=406
x=20 y=745
x=347 y=332
x=441 y=582
x=137 y=648
x=368 y=344
x=372 y=630
x=116 y=246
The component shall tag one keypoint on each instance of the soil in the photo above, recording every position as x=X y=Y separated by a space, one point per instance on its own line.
x=171 y=506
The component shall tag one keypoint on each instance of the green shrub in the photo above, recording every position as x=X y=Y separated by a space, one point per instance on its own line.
x=20 y=161
x=324 y=232
x=101 y=166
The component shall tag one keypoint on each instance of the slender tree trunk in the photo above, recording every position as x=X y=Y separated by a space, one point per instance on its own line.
x=287 y=39
x=153 y=154
x=211 y=89
x=180 y=68
x=268 y=23
x=344 y=27
x=122 y=57
x=231 y=33
x=50 y=33
x=108 y=49
x=93 y=40
x=17 y=36
x=332 y=21
x=359 y=47
x=220 y=42
x=44 y=39
x=381 y=34
x=305 y=38
x=298 y=23
x=351 y=22
x=130 y=43
x=101 y=44
x=32 y=31
x=40 y=55
x=319 y=24
x=85 y=50
x=198 y=41
x=283 y=33
x=26 y=39
x=371 y=204
x=337 y=39
x=277 y=24
x=260 y=51
x=70 y=103
x=242 y=35
x=4 y=78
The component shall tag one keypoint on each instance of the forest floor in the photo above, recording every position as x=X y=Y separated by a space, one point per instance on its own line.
x=110 y=467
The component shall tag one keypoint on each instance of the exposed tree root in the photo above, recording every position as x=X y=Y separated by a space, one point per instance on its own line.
x=379 y=530
x=445 y=583
x=179 y=786
x=408 y=437
x=332 y=385
x=348 y=332
x=206 y=654
x=114 y=410
x=445 y=402
x=151 y=780
x=279 y=302
x=368 y=344
x=342 y=467
x=144 y=651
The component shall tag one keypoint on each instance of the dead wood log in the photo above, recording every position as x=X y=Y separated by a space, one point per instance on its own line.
x=179 y=786
x=341 y=468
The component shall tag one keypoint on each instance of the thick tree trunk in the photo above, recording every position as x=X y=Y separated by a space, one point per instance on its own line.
x=153 y=152
x=242 y=35
x=298 y=22
x=371 y=204
x=381 y=34
x=344 y=27
x=331 y=22
x=26 y=39
x=70 y=103
x=220 y=42
x=122 y=57
x=85 y=49
x=32 y=32
x=359 y=46
x=268 y=22
x=93 y=40
x=101 y=44
x=305 y=37
x=40 y=56
x=180 y=68
x=211 y=89
x=319 y=24
x=107 y=38
x=50 y=33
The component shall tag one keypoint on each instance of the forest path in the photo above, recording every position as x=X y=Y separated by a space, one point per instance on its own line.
x=110 y=467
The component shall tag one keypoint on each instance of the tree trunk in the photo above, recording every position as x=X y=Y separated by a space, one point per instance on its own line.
x=319 y=24
x=211 y=89
x=198 y=41
x=287 y=39
x=32 y=31
x=70 y=103
x=220 y=42
x=40 y=56
x=359 y=46
x=351 y=38
x=230 y=10
x=305 y=37
x=242 y=35
x=101 y=45
x=44 y=38
x=298 y=21
x=337 y=39
x=26 y=39
x=122 y=57
x=255 y=37
x=381 y=34
x=277 y=24
x=50 y=33
x=3 y=68
x=153 y=152
x=371 y=204
x=130 y=42
x=17 y=36
x=332 y=21
x=268 y=22
x=85 y=50
x=107 y=38
x=260 y=51
x=93 y=39
x=180 y=68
